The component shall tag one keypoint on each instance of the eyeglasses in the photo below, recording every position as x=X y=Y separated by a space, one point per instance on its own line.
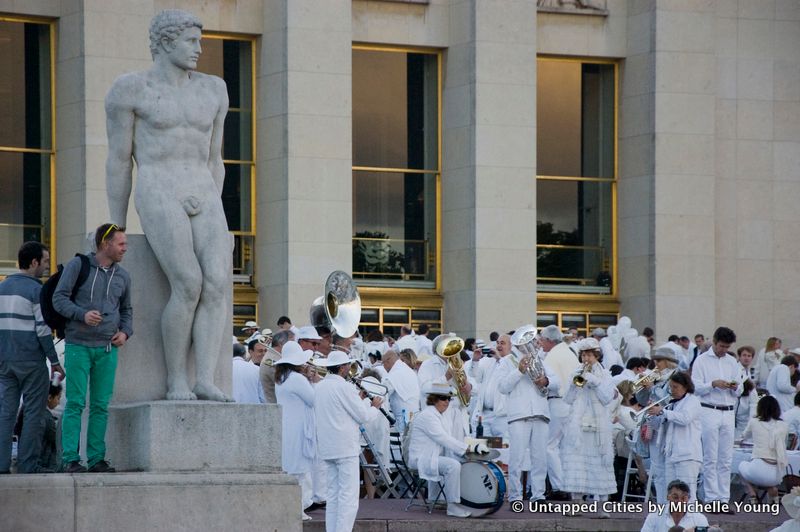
x=112 y=227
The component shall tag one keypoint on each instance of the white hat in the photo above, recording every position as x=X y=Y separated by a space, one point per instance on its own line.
x=250 y=325
x=791 y=502
x=665 y=353
x=335 y=358
x=308 y=333
x=406 y=342
x=437 y=388
x=599 y=332
x=293 y=354
x=266 y=332
x=794 y=351
x=588 y=344
x=480 y=344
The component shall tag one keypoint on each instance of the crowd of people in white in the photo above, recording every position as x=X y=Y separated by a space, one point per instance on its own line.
x=679 y=409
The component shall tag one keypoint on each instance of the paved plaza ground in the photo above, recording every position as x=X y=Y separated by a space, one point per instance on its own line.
x=389 y=515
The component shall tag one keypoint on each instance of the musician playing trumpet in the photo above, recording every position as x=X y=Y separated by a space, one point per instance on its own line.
x=528 y=418
x=654 y=390
x=588 y=453
x=679 y=429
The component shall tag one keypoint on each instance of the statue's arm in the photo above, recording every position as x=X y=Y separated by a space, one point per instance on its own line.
x=119 y=165
x=215 y=164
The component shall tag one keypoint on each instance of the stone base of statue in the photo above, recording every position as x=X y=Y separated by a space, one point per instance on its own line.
x=170 y=436
x=150 y=501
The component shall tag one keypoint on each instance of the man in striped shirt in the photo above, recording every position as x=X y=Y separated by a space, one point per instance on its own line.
x=25 y=341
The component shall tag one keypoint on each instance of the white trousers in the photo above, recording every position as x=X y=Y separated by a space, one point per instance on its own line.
x=450 y=471
x=657 y=470
x=528 y=446
x=555 y=434
x=759 y=473
x=343 y=485
x=494 y=425
x=685 y=470
x=717 y=438
x=306 y=489
x=319 y=480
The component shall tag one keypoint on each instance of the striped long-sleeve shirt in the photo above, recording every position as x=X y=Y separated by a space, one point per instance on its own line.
x=24 y=336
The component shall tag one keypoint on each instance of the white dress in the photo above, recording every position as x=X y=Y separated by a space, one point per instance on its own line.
x=587 y=448
x=298 y=435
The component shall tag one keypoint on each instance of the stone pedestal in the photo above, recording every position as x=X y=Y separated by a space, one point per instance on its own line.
x=150 y=501
x=176 y=436
x=141 y=369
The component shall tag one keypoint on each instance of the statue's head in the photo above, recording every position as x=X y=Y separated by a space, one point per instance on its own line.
x=169 y=24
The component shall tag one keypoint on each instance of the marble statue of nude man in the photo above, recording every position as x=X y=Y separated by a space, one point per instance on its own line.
x=169 y=119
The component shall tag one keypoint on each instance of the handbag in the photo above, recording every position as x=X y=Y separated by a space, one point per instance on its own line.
x=790 y=480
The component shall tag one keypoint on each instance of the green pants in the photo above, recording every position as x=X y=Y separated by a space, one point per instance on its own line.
x=95 y=367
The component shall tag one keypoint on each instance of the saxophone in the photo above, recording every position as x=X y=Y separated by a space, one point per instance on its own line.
x=524 y=340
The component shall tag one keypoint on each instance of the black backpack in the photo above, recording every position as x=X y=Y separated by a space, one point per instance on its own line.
x=52 y=318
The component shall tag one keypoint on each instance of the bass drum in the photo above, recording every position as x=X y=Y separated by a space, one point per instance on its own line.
x=482 y=486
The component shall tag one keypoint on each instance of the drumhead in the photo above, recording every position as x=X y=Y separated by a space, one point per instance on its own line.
x=482 y=485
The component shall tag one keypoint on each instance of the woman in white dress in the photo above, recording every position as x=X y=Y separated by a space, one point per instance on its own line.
x=768 y=358
x=769 y=461
x=295 y=394
x=588 y=451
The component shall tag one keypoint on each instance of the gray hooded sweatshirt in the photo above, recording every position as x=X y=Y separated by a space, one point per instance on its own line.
x=106 y=290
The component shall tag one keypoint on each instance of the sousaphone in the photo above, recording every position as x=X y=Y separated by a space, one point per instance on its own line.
x=339 y=308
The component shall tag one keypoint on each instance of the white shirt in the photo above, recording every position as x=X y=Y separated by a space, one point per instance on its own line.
x=792 y=419
x=424 y=346
x=298 y=435
x=563 y=361
x=611 y=356
x=339 y=411
x=709 y=367
x=524 y=399
x=247 y=382
x=779 y=385
x=663 y=522
x=429 y=439
x=403 y=388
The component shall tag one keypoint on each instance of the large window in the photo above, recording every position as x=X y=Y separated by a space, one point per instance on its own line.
x=27 y=151
x=576 y=184
x=232 y=59
x=396 y=166
x=391 y=319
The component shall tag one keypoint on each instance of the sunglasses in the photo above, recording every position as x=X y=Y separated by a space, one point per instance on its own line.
x=112 y=227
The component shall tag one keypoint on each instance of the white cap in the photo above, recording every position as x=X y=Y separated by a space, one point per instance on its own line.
x=406 y=342
x=293 y=354
x=250 y=325
x=335 y=358
x=588 y=344
x=794 y=351
x=266 y=332
x=599 y=332
x=308 y=333
x=437 y=388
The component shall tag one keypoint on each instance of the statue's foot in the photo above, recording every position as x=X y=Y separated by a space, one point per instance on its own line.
x=181 y=395
x=209 y=392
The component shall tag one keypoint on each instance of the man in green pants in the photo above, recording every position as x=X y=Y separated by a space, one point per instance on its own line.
x=100 y=321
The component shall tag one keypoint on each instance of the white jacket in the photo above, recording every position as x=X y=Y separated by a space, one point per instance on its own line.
x=779 y=385
x=524 y=399
x=680 y=430
x=338 y=413
x=489 y=391
x=298 y=434
x=429 y=440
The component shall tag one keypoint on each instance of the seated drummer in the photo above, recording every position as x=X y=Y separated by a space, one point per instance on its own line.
x=429 y=440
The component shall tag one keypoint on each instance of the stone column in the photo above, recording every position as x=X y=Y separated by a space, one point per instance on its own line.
x=489 y=166
x=304 y=168
x=667 y=184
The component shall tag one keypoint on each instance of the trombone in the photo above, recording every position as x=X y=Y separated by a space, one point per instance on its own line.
x=639 y=416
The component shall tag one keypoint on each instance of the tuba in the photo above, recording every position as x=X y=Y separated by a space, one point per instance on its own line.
x=448 y=347
x=524 y=340
x=339 y=308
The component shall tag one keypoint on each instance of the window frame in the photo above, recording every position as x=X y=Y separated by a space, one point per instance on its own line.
x=50 y=240
x=437 y=173
x=613 y=181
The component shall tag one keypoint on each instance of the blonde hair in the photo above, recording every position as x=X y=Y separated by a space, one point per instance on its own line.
x=772 y=343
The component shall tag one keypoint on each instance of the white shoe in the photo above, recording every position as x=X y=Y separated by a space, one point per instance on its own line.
x=306 y=517
x=456 y=510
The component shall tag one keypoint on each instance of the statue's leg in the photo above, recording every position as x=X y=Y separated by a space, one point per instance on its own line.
x=169 y=233
x=213 y=247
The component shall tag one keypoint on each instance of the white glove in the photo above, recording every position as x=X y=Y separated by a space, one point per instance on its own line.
x=591 y=379
x=479 y=448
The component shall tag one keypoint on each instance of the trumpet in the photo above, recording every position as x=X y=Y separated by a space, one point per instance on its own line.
x=648 y=377
x=641 y=414
x=579 y=380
